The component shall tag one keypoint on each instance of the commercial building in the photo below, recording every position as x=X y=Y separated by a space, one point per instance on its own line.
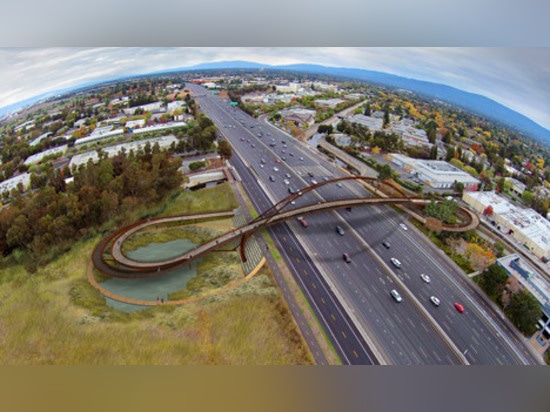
x=300 y=117
x=437 y=174
x=332 y=103
x=411 y=135
x=528 y=277
x=99 y=134
x=7 y=185
x=37 y=158
x=525 y=225
x=372 y=123
x=159 y=127
x=133 y=124
x=40 y=138
x=164 y=142
x=146 y=108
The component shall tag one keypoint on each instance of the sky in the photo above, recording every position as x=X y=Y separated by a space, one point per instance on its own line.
x=518 y=78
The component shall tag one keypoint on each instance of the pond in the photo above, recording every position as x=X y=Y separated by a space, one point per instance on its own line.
x=152 y=288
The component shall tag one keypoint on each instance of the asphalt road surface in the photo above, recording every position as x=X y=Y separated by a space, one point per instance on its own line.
x=413 y=331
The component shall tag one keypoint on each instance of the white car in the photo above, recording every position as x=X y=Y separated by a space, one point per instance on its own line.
x=286 y=182
x=395 y=294
x=402 y=226
x=275 y=169
x=425 y=278
x=435 y=300
x=396 y=262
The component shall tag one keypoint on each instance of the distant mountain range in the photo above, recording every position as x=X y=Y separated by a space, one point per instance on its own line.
x=475 y=103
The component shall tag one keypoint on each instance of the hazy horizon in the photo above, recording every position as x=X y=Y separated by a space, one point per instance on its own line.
x=517 y=78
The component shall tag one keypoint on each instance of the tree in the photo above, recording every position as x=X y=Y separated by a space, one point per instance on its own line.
x=434 y=225
x=447 y=136
x=524 y=311
x=433 y=152
x=386 y=117
x=224 y=150
x=528 y=197
x=325 y=128
x=488 y=211
x=385 y=172
x=367 y=109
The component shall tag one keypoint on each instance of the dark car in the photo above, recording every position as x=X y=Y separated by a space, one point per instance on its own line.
x=386 y=244
x=346 y=258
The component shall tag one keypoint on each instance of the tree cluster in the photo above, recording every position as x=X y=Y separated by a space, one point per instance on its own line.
x=51 y=218
x=444 y=210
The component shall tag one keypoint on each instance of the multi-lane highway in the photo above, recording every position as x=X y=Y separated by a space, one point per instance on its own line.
x=352 y=299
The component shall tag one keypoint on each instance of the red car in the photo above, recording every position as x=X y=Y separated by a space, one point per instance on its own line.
x=459 y=307
x=277 y=161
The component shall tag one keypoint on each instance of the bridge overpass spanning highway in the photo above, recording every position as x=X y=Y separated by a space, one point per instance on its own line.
x=129 y=268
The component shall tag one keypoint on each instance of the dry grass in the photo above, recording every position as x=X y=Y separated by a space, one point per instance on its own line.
x=55 y=317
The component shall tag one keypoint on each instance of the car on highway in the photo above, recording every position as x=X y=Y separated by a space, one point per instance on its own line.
x=425 y=278
x=386 y=244
x=339 y=184
x=287 y=175
x=395 y=262
x=340 y=230
x=277 y=160
x=262 y=160
x=459 y=307
x=402 y=226
x=435 y=300
x=275 y=169
x=242 y=139
x=272 y=178
x=286 y=182
x=284 y=158
x=326 y=178
x=310 y=174
x=303 y=222
x=313 y=181
x=290 y=190
x=395 y=294
x=301 y=158
x=346 y=258
x=291 y=154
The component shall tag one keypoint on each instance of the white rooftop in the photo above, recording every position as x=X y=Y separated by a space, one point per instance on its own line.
x=526 y=221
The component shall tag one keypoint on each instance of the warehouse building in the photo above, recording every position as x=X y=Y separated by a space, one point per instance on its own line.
x=525 y=225
x=437 y=174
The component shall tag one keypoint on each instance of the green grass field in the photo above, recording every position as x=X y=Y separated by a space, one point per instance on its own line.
x=55 y=317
